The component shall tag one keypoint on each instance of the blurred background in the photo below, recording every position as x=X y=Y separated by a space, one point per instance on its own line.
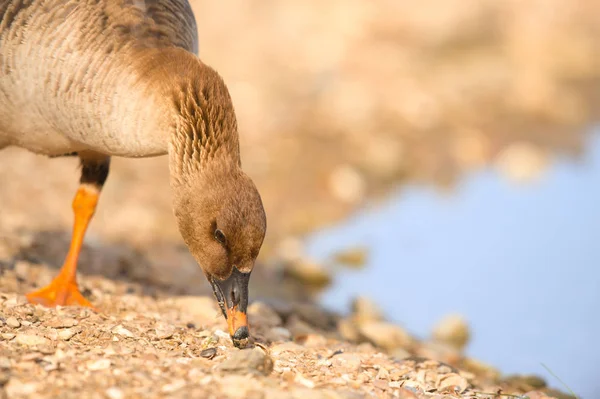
x=436 y=157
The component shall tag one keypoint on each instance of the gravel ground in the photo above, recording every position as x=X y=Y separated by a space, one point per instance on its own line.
x=480 y=85
x=161 y=345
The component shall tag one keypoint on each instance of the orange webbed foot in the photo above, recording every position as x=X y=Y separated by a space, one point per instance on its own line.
x=59 y=293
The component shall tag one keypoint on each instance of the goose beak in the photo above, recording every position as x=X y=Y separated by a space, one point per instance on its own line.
x=232 y=296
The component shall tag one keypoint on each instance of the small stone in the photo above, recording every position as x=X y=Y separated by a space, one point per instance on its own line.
x=292 y=347
x=13 y=322
x=244 y=361
x=259 y=313
x=277 y=334
x=67 y=333
x=8 y=336
x=290 y=249
x=347 y=184
x=526 y=382
x=348 y=330
x=46 y=349
x=383 y=374
x=522 y=162
x=386 y=335
x=399 y=353
x=536 y=395
x=309 y=273
x=22 y=269
x=314 y=315
x=62 y=322
x=164 y=331
x=114 y=393
x=300 y=379
x=353 y=257
x=381 y=384
x=100 y=364
x=16 y=388
x=235 y=386
x=452 y=330
x=209 y=353
x=122 y=331
x=452 y=383
x=406 y=393
x=4 y=362
x=220 y=334
x=4 y=376
x=365 y=310
x=31 y=340
x=173 y=386
x=347 y=361
x=314 y=341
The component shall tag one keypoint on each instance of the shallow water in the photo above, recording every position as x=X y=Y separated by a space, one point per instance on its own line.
x=520 y=262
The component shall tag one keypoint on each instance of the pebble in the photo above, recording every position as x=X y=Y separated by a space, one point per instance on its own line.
x=300 y=379
x=4 y=376
x=347 y=362
x=347 y=184
x=100 y=364
x=209 y=353
x=16 y=388
x=62 y=322
x=31 y=340
x=259 y=313
x=4 y=362
x=314 y=341
x=309 y=273
x=220 y=334
x=122 y=331
x=8 y=336
x=365 y=310
x=298 y=327
x=452 y=383
x=314 y=315
x=386 y=335
x=114 y=393
x=244 y=361
x=348 y=330
x=67 y=333
x=276 y=334
x=173 y=386
x=452 y=330
x=522 y=162
x=290 y=249
x=536 y=395
x=287 y=347
x=13 y=322
x=383 y=374
x=235 y=386
x=353 y=257
x=404 y=393
x=164 y=331
x=381 y=384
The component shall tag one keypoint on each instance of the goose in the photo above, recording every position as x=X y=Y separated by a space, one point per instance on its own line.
x=103 y=78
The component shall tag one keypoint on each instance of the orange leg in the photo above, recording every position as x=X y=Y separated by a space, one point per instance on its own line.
x=63 y=289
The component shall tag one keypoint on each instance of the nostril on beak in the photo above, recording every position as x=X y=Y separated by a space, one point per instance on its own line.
x=235 y=296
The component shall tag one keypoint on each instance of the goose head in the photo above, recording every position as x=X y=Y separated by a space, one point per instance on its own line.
x=222 y=221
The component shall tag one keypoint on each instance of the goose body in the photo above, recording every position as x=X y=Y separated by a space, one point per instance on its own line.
x=104 y=78
x=75 y=74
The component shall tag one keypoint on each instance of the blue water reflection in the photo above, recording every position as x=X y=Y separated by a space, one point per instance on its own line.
x=520 y=262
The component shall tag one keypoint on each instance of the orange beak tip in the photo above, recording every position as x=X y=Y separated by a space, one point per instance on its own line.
x=237 y=322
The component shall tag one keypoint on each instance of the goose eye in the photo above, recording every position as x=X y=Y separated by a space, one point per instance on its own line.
x=219 y=236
